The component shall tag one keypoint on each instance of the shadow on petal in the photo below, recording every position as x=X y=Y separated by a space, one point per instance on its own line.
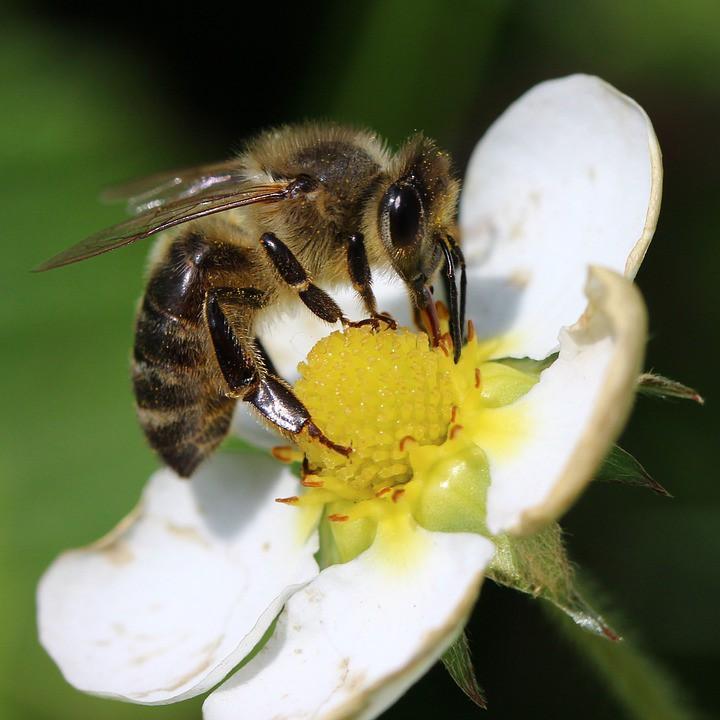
x=233 y=489
x=493 y=304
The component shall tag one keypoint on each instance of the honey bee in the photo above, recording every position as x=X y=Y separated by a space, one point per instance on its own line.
x=316 y=203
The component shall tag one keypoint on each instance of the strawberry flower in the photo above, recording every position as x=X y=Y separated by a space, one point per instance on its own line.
x=335 y=601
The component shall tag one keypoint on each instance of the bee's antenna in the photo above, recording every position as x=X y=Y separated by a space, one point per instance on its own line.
x=458 y=254
x=457 y=309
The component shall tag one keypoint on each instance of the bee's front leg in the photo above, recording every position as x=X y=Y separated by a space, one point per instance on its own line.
x=359 y=271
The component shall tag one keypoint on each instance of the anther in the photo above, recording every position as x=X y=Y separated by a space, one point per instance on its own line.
x=470 y=331
x=311 y=483
x=337 y=517
x=405 y=441
x=477 y=377
x=383 y=491
x=286 y=454
x=397 y=494
x=292 y=500
x=454 y=430
x=453 y=413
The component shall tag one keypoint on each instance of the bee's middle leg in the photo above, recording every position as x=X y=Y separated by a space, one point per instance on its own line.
x=248 y=380
x=293 y=273
x=316 y=299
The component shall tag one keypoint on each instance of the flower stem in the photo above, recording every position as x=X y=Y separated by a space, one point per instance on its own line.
x=638 y=683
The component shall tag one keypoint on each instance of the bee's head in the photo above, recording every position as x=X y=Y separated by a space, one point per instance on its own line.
x=416 y=216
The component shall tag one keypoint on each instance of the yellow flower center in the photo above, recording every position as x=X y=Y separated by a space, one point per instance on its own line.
x=418 y=425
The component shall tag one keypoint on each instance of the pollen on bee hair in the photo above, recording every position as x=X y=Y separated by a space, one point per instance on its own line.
x=442 y=311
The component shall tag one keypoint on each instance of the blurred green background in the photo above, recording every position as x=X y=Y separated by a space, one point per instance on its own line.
x=91 y=95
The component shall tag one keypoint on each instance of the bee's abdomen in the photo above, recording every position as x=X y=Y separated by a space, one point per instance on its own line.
x=181 y=406
x=182 y=410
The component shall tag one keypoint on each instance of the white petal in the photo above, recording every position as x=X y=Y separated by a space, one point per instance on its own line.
x=351 y=642
x=289 y=336
x=570 y=175
x=576 y=411
x=168 y=603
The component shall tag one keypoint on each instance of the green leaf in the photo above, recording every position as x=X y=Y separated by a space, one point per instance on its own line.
x=621 y=467
x=538 y=565
x=235 y=444
x=666 y=389
x=458 y=662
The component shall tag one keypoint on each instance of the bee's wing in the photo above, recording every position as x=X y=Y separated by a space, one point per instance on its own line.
x=162 y=188
x=163 y=217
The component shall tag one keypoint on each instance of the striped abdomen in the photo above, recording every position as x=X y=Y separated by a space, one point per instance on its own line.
x=180 y=400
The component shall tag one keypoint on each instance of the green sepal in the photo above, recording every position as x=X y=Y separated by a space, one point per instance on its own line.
x=529 y=366
x=538 y=565
x=458 y=662
x=659 y=386
x=327 y=553
x=621 y=467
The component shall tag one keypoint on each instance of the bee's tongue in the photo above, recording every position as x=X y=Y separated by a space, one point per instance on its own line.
x=429 y=316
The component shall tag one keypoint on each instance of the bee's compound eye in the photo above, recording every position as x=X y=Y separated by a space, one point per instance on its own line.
x=404 y=214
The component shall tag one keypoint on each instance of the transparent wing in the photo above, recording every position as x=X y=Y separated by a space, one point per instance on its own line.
x=163 y=217
x=162 y=188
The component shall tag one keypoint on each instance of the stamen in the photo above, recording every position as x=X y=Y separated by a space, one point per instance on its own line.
x=292 y=500
x=454 y=430
x=337 y=517
x=397 y=494
x=470 y=331
x=311 y=483
x=286 y=454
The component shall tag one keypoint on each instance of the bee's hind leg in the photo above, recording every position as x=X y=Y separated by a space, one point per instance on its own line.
x=274 y=399
x=248 y=380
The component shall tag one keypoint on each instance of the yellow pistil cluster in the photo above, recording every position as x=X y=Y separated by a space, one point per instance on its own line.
x=417 y=424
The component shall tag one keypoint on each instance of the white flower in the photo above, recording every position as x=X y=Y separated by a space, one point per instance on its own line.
x=559 y=205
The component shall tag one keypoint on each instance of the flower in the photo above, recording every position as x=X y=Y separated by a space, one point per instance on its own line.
x=559 y=205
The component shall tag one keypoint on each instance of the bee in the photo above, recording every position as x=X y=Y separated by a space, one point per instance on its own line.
x=301 y=205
